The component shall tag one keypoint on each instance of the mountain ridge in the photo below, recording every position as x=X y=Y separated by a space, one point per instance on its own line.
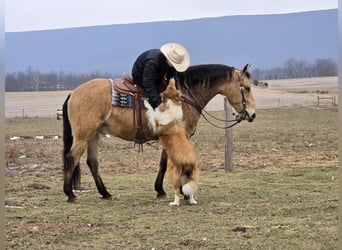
x=264 y=41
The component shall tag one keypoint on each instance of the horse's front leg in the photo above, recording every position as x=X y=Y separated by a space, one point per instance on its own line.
x=158 y=184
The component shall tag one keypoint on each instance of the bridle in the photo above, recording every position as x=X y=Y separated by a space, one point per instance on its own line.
x=242 y=115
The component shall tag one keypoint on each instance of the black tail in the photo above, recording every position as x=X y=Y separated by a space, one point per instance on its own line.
x=67 y=141
x=67 y=134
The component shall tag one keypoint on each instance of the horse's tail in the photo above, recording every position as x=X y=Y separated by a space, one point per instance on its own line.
x=67 y=134
x=67 y=141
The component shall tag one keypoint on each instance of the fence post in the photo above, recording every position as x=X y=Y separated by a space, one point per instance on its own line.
x=317 y=101
x=229 y=138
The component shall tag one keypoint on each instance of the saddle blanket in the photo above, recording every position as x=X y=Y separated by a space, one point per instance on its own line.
x=120 y=99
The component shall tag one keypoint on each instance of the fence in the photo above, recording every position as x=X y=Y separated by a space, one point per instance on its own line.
x=331 y=99
x=34 y=104
x=31 y=111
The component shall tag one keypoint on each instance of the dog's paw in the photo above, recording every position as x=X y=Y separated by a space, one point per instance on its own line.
x=174 y=203
x=193 y=202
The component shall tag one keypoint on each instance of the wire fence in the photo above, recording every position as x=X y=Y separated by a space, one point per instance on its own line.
x=32 y=111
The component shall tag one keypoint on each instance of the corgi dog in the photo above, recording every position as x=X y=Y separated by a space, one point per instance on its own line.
x=169 y=126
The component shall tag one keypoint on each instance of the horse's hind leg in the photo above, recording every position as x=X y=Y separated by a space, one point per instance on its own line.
x=72 y=169
x=94 y=167
x=158 y=184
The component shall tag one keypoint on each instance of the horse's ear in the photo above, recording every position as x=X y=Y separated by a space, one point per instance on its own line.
x=245 y=69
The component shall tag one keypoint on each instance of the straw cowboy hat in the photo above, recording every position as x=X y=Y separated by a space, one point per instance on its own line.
x=177 y=55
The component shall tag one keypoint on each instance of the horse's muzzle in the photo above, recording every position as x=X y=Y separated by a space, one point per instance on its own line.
x=251 y=117
x=244 y=115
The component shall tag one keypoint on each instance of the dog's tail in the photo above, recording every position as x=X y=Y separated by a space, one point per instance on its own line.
x=190 y=188
x=189 y=180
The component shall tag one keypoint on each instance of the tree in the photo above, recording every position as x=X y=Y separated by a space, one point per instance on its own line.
x=293 y=68
x=325 y=67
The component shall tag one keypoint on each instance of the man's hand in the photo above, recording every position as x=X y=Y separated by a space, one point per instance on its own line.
x=161 y=107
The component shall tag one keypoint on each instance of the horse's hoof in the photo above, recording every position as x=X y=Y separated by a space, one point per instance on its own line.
x=71 y=199
x=161 y=195
x=107 y=197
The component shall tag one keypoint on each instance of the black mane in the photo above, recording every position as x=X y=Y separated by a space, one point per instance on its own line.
x=208 y=73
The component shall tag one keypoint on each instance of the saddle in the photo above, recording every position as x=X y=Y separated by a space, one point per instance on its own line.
x=126 y=86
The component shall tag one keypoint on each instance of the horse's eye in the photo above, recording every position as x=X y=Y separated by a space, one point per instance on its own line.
x=245 y=89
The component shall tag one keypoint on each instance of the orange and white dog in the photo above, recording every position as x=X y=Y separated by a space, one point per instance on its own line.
x=182 y=169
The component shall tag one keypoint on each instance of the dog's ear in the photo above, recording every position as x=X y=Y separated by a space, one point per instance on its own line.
x=172 y=84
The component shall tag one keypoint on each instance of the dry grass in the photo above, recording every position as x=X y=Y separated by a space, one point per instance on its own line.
x=295 y=208
x=282 y=193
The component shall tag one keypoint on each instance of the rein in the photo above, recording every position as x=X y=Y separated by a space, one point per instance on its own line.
x=199 y=110
x=241 y=116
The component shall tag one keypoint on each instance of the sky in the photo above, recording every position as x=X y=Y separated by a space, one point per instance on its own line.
x=26 y=15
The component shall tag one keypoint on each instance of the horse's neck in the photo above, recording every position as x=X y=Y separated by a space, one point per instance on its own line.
x=201 y=97
x=192 y=114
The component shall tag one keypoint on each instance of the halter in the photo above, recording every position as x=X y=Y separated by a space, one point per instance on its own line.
x=243 y=114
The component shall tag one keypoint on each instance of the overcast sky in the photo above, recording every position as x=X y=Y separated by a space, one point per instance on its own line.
x=24 y=15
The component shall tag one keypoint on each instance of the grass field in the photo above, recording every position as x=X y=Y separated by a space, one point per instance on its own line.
x=282 y=193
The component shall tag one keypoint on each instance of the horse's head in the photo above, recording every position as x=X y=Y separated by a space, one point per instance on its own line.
x=239 y=94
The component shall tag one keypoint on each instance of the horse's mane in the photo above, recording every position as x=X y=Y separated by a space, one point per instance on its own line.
x=208 y=73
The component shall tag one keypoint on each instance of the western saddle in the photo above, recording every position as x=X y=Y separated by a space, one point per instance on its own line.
x=127 y=86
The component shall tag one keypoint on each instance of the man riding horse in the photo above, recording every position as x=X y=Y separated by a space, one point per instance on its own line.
x=155 y=66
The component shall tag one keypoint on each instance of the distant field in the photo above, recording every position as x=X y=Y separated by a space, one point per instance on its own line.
x=34 y=104
x=289 y=92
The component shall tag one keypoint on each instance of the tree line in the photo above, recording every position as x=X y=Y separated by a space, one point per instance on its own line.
x=34 y=80
x=293 y=68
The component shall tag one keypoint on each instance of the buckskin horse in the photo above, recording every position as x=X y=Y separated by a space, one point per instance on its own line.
x=88 y=112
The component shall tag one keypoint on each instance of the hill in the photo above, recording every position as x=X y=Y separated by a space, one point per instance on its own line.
x=263 y=40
